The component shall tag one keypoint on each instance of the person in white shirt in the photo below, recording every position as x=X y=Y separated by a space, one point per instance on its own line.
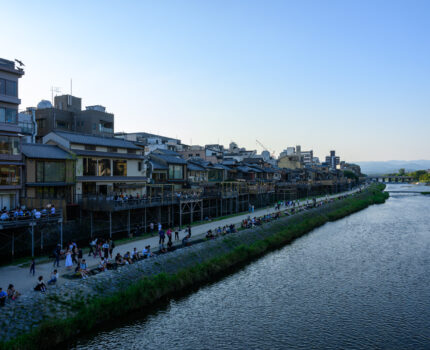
x=37 y=214
x=53 y=210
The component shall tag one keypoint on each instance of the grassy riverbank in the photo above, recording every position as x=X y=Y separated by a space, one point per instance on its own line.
x=148 y=290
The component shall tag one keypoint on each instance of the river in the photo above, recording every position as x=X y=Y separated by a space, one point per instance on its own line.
x=362 y=282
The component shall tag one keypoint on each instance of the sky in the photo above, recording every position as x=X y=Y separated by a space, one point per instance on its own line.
x=353 y=76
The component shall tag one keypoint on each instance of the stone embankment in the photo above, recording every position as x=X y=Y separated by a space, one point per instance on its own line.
x=44 y=320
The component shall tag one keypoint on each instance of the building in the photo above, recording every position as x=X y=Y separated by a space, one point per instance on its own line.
x=67 y=115
x=332 y=160
x=104 y=165
x=27 y=124
x=10 y=138
x=150 y=142
x=49 y=176
x=168 y=167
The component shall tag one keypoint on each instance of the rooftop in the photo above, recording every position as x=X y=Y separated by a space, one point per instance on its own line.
x=87 y=139
x=41 y=151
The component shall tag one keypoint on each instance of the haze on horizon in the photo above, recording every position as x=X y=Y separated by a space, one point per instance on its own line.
x=349 y=76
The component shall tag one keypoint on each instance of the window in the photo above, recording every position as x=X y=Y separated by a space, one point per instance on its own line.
x=112 y=149
x=8 y=87
x=94 y=126
x=120 y=168
x=9 y=175
x=90 y=147
x=52 y=192
x=9 y=145
x=176 y=172
x=41 y=123
x=51 y=171
x=60 y=124
x=104 y=167
x=131 y=151
x=139 y=166
x=11 y=88
x=7 y=115
x=90 y=167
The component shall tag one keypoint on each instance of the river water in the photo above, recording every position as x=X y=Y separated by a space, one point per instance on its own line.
x=362 y=282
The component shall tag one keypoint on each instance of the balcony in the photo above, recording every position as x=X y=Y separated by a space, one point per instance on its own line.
x=105 y=130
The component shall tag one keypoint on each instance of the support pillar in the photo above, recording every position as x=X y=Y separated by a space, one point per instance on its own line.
x=61 y=232
x=110 y=224
x=201 y=210
x=180 y=215
x=128 y=223
x=145 y=221
x=13 y=244
x=91 y=224
x=32 y=238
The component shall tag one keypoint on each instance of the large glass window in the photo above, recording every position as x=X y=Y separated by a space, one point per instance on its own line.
x=90 y=167
x=52 y=192
x=11 y=88
x=176 y=172
x=9 y=175
x=8 y=87
x=9 y=145
x=7 y=115
x=51 y=171
x=120 y=168
x=104 y=167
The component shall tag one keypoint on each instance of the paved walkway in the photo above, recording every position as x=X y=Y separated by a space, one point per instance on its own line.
x=24 y=282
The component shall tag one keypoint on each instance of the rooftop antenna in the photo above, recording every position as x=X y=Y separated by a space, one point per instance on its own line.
x=55 y=89
x=71 y=87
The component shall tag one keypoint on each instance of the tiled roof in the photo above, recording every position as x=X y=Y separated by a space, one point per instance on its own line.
x=195 y=167
x=158 y=166
x=41 y=151
x=86 y=139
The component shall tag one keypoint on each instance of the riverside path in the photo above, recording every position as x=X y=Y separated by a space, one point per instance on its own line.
x=20 y=277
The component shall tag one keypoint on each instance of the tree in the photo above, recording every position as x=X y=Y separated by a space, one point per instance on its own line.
x=425 y=177
x=402 y=171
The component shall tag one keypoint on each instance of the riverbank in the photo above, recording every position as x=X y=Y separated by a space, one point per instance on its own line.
x=115 y=293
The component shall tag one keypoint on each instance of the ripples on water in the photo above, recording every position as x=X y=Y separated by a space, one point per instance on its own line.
x=358 y=283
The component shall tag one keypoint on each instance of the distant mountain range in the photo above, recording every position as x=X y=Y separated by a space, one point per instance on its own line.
x=392 y=166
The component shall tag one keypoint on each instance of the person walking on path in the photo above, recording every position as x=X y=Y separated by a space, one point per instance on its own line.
x=177 y=234
x=32 y=267
x=105 y=247
x=162 y=236
x=189 y=230
x=93 y=244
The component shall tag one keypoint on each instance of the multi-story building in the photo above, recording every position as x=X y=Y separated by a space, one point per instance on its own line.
x=10 y=142
x=104 y=165
x=67 y=115
x=332 y=160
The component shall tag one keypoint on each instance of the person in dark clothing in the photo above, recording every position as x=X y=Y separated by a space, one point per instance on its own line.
x=32 y=267
x=162 y=237
x=189 y=231
x=57 y=254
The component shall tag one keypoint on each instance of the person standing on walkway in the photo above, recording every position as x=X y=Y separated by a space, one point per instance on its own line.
x=189 y=231
x=151 y=227
x=57 y=254
x=111 y=247
x=105 y=247
x=69 y=261
x=32 y=267
x=162 y=236
x=177 y=234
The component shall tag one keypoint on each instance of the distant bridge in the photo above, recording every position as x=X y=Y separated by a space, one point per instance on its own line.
x=392 y=179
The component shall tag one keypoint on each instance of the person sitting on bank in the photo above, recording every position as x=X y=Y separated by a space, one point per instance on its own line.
x=54 y=277
x=12 y=293
x=147 y=252
x=40 y=286
x=169 y=246
x=127 y=258
x=3 y=296
x=83 y=270
x=135 y=255
x=186 y=241
x=102 y=265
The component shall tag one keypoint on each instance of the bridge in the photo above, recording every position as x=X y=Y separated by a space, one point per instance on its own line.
x=392 y=179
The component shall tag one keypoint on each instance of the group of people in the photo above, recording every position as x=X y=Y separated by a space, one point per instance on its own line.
x=221 y=231
x=23 y=213
x=11 y=294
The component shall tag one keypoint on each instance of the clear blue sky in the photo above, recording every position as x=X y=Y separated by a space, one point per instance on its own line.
x=347 y=75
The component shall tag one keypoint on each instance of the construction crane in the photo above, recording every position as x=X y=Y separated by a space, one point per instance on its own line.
x=266 y=149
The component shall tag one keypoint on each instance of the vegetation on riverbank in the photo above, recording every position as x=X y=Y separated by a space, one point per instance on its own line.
x=150 y=289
